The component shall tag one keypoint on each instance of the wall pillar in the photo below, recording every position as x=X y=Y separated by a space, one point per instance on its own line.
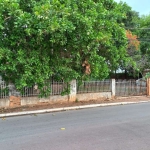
x=73 y=90
x=14 y=101
x=113 y=87
x=148 y=87
x=14 y=96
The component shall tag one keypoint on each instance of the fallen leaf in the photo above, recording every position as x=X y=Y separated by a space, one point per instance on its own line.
x=62 y=128
x=3 y=118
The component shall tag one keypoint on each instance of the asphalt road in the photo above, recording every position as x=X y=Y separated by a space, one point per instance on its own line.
x=125 y=127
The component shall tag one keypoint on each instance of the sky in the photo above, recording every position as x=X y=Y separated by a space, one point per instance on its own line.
x=141 y=6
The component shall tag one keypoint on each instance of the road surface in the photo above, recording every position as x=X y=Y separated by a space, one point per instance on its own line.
x=125 y=127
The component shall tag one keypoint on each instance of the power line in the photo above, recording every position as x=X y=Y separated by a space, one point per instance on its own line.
x=130 y=39
x=139 y=39
x=139 y=28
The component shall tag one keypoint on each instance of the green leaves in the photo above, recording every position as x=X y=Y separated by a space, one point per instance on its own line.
x=43 y=39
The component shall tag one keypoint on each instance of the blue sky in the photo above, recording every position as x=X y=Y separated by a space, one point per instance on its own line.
x=141 y=6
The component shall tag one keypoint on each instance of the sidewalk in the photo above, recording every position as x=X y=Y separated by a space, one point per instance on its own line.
x=47 y=107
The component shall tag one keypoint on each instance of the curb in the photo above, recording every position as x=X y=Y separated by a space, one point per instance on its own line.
x=67 y=108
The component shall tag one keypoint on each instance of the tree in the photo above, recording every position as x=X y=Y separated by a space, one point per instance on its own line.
x=144 y=33
x=131 y=22
x=41 y=39
x=134 y=53
x=133 y=43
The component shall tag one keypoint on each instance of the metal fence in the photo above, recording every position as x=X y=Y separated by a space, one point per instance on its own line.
x=123 y=88
x=130 y=88
x=94 y=86
x=29 y=91
x=56 y=88
x=4 y=92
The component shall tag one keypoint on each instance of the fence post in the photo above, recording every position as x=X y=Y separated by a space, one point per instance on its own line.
x=73 y=90
x=148 y=87
x=113 y=87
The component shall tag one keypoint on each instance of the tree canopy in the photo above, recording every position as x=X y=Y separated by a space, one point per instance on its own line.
x=41 y=39
x=131 y=24
x=144 y=34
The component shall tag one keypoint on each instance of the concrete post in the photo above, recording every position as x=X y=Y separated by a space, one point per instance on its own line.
x=73 y=90
x=148 y=87
x=113 y=87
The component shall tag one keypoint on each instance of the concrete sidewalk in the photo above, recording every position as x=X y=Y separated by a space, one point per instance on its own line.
x=68 y=108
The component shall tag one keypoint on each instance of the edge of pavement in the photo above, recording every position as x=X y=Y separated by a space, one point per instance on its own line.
x=67 y=108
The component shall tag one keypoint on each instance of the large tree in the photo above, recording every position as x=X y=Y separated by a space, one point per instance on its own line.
x=41 y=39
x=131 y=24
x=144 y=36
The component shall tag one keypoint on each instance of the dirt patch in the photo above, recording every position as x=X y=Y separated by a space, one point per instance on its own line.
x=69 y=104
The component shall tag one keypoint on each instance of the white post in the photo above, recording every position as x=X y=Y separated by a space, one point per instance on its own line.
x=73 y=90
x=113 y=87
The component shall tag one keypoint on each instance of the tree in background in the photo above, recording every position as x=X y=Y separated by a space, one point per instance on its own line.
x=134 y=52
x=144 y=34
x=133 y=43
x=139 y=26
x=131 y=23
x=41 y=39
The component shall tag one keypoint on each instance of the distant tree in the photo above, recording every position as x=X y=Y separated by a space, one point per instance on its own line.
x=131 y=23
x=133 y=42
x=144 y=34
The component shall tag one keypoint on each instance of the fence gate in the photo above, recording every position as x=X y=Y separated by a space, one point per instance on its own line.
x=131 y=87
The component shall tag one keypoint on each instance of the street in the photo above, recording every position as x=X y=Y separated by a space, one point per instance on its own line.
x=124 y=127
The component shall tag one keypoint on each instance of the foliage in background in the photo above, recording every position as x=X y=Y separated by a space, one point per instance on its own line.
x=131 y=24
x=133 y=43
x=139 y=26
x=144 y=35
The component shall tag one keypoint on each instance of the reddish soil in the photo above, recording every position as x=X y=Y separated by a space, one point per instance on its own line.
x=69 y=104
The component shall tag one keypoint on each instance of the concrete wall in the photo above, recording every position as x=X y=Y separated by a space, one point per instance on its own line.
x=13 y=102
x=17 y=101
x=36 y=100
x=93 y=96
x=4 y=102
x=58 y=98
